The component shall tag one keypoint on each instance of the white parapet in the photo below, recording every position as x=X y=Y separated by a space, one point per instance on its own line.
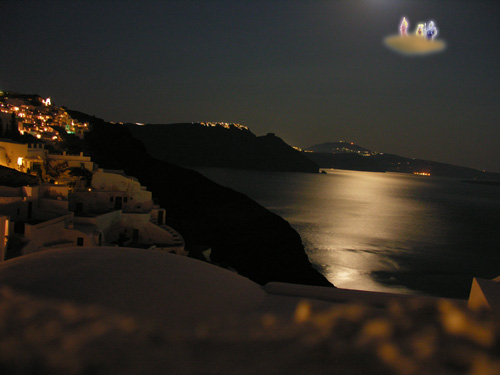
x=4 y=233
x=485 y=294
x=341 y=296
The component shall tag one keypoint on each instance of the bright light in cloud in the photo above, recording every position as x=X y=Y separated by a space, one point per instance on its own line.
x=422 y=42
x=403 y=27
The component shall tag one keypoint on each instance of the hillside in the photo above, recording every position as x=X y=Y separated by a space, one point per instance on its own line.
x=242 y=234
x=220 y=145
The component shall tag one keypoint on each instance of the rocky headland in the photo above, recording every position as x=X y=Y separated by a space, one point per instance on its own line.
x=240 y=233
x=220 y=145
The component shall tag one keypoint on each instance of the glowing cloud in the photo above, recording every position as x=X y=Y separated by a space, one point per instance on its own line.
x=413 y=45
x=422 y=42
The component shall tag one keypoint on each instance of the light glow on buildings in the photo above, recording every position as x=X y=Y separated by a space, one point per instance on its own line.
x=226 y=125
x=39 y=116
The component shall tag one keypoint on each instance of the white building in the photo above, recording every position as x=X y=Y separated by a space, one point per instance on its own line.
x=35 y=159
x=116 y=210
x=72 y=161
x=141 y=222
x=23 y=157
x=12 y=154
x=4 y=236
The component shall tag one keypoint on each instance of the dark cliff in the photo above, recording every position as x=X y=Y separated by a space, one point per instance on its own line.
x=221 y=146
x=242 y=234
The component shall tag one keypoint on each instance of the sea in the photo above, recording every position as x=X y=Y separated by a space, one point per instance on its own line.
x=387 y=232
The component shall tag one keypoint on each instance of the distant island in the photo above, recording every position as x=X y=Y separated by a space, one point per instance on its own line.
x=348 y=155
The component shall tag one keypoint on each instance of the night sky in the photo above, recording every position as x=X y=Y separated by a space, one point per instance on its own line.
x=309 y=71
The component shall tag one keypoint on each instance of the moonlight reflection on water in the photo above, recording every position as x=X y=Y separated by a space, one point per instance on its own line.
x=369 y=216
x=384 y=231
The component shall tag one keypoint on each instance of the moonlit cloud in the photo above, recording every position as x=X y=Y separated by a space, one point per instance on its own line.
x=412 y=45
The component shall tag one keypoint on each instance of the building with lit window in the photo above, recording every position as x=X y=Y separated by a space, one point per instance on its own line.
x=116 y=210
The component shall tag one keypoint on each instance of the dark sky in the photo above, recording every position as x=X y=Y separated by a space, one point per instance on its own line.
x=309 y=71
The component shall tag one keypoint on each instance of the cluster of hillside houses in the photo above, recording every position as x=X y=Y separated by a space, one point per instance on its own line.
x=89 y=207
x=34 y=115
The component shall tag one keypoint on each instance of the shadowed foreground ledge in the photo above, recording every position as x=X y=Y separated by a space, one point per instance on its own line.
x=233 y=325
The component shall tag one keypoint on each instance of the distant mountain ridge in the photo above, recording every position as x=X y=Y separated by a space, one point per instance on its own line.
x=340 y=147
x=347 y=155
x=220 y=145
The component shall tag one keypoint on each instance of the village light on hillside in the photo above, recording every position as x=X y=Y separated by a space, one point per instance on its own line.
x=19 y=161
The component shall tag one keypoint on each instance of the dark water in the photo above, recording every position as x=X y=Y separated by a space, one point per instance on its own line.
x=384 y=231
